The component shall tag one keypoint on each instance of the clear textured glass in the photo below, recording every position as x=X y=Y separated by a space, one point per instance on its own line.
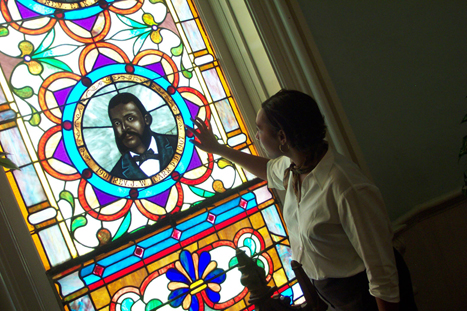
x=116 y=234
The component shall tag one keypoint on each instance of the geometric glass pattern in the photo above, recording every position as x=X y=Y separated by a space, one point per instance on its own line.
x=112 y=233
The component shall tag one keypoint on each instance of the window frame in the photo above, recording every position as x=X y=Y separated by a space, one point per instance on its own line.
x=256 y=65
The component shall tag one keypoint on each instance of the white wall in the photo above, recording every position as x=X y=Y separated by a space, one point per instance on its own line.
x=400 y=71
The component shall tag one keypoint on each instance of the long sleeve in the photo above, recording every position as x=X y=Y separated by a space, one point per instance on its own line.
x=364 y=219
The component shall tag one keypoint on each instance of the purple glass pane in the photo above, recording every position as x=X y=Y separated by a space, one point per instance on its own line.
x=86 y=23
x=195 y=162
x=25 y=12
x=157 y=68
x=104 y=198
x=60 y=153
x=103 y=60
x=160 y=199
x=61 y=96
x=193 y=108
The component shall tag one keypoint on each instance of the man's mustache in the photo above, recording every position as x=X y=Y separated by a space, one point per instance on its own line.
x=129 y=133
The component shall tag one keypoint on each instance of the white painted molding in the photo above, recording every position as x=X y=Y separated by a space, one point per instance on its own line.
x=235 y=57
x=20 y=265
x=287 y=46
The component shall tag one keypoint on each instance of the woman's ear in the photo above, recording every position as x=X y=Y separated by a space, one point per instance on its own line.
x=282 y=138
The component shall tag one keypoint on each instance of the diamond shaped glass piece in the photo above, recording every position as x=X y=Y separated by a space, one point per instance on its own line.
x=98 y=270
x=176 y=234
x=139 y=251
x=243 y=203
x=211 y=218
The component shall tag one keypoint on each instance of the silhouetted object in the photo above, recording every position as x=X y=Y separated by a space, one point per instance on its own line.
x=309 y=291
x=254 y=278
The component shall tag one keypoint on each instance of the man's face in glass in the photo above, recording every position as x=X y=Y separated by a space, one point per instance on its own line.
x=129 y=124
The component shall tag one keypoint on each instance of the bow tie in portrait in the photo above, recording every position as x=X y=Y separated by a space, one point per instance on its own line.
x=148 y=154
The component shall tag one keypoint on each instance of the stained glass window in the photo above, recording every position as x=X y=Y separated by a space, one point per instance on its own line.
x=85 y=84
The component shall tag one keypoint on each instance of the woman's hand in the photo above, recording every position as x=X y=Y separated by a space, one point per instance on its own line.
x=205 y=139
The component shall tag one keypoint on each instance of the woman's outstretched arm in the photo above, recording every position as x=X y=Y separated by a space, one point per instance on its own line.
x=207 y=141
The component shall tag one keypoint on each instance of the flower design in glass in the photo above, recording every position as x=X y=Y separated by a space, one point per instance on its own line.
x=194 y=278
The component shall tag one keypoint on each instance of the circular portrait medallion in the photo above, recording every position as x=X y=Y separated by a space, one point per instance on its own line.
x=123 y=128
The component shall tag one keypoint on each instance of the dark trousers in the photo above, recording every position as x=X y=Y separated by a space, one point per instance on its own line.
x=352 y=293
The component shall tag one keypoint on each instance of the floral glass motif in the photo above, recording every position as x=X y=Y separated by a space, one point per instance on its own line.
x=190 y=264
x=194 y=274
x=60 y=64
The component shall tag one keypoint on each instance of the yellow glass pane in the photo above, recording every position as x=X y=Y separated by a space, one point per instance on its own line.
x=163 y=262
x=205 y=36
x=7 y=125
x=46 y=224
x=19 y=198
x=275 y=258
x=276 y=238
x=229 y=232
x=206 y=67
x=234 y=133
x=40 y=251
x=193 y=8
x=223 y=81
x=238 y=306
x=133 y=279
x=38 y=207
x=266 y=236
x=208 y=240
x=100 y=297
x=280 y=278
x=257 y=220
x=75 y=295
x=192 y=248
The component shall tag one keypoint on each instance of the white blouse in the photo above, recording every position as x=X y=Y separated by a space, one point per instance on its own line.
x=340 y=227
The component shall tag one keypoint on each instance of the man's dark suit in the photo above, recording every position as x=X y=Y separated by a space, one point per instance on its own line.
x=127 y=168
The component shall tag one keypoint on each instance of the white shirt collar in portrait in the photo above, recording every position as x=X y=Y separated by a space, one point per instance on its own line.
x=151 y=166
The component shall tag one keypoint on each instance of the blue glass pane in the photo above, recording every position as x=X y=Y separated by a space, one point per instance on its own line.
x=193 y=35
x=54 y=245
x=29 y=185
x=273 y=220
x=187 y=263
x=12 y=143
x=82 y=304
x=183 y=9
x=70 y=284
x=285 y=254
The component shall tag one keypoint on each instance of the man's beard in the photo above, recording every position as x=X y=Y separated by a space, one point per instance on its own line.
x=145 y=139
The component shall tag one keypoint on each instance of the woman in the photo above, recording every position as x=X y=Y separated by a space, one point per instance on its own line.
x=337 y=222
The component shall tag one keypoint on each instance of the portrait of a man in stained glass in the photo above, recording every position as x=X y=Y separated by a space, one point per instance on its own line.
x=144 y=152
